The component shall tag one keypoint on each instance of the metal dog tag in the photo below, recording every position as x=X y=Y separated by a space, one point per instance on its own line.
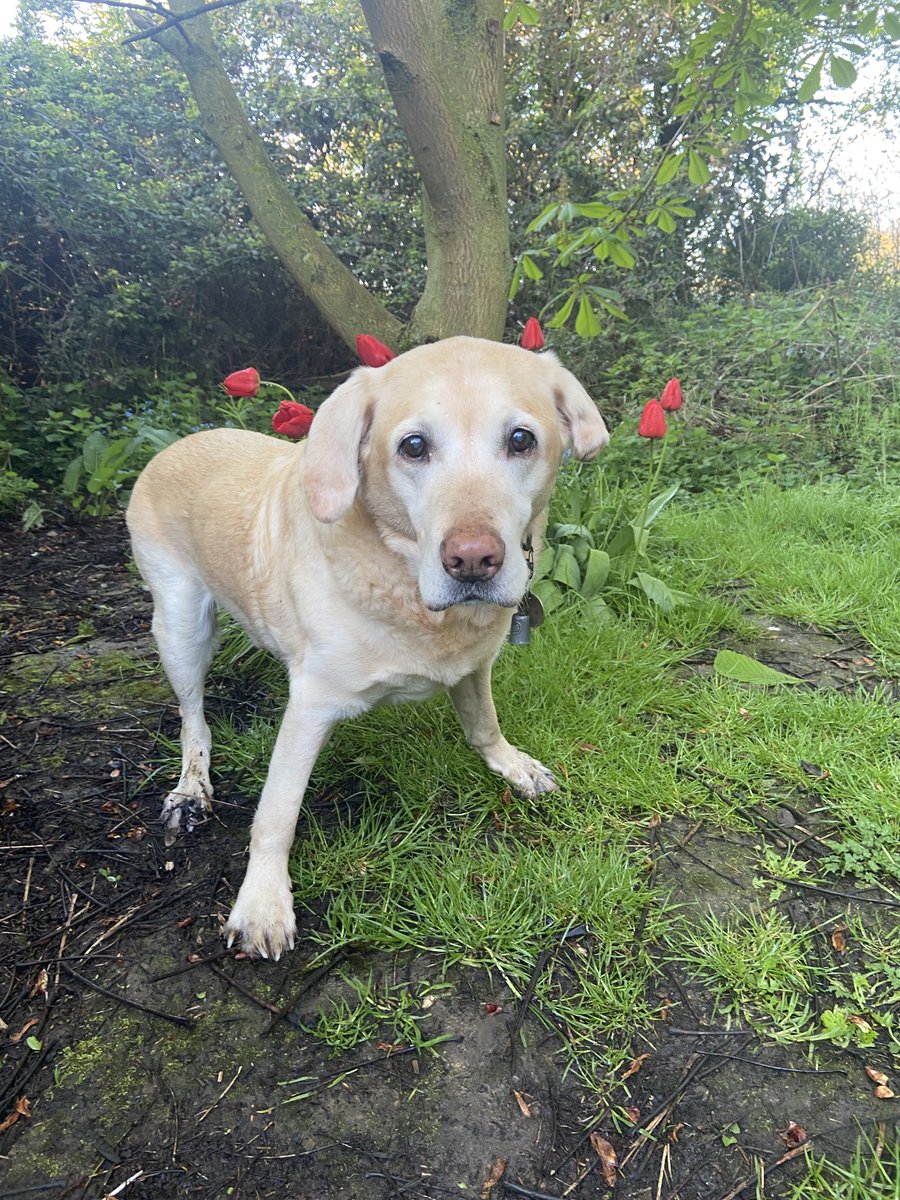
x=520 y=629
x=529 y=615
x=535 y=610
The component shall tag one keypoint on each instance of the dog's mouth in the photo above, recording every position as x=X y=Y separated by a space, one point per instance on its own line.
x=477 y=592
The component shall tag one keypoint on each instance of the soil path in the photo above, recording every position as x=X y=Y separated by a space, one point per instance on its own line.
x=143 y=1060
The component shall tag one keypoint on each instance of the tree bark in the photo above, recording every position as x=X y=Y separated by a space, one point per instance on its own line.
x=443 y=63
x=345 y=303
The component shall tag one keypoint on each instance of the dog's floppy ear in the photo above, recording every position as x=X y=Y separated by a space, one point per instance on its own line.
x=583 y=427
x=331 y=470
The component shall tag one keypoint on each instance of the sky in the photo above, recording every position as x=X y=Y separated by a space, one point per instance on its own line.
x=864 y=163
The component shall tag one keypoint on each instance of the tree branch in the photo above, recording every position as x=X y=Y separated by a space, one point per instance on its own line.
x=347 y=306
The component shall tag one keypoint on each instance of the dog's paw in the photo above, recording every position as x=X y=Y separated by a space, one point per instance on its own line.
x=262 y=922
x=528 y=777
x=185 y=807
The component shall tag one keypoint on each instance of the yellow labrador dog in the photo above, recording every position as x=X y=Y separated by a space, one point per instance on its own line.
x=380 y=560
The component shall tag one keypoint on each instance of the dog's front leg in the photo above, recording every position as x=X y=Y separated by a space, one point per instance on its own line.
x=474 y=705
x=263 y=919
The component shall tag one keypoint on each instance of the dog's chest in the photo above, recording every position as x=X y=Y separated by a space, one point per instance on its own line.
x=397 y=689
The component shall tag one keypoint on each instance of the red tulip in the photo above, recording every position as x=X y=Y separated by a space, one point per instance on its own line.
x=532 y=337
x=242 y=383
x=653 y=420
x=372 y=352
x=292 y=419
x=671 y=397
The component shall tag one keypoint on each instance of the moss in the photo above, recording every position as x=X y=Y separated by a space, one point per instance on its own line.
x=114 y=679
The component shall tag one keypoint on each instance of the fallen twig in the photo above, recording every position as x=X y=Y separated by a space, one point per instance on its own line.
x=239 y=987
x=184 y=1022
x=201 y=1116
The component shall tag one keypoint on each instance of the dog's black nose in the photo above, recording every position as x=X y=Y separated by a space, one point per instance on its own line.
x=472 y=555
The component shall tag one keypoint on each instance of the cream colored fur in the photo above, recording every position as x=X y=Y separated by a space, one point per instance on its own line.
x=333 y=555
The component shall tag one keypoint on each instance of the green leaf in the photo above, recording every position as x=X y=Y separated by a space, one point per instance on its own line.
x=595 y=573
x=620 y=254
x=544 y=217
x=657 y=504
x=622 y=543
x=72 y=477
x=586 y=323
x=565 y=569
x=95 y=446
x=571 y=530
x=660 y=593
x=743 y=669
x=549 y=593
x=698 y=172
x=669 y=168
x=666 y=222
x=530 y=268
x=562 y=315
x=892 y=25
x=599 y=611
x=544 y=562
x=843 y=72
x=597 y=210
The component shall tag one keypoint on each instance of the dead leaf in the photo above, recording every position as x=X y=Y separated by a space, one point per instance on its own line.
x=860 y=1023
x=745 y=713
x=838 y=941
x=633 y=1113
x=876 y=1076
x=41 y=984
x=493 y=1179
x=589 y=747
x=522 y=1103
x=635 y=1065
x=654 y=821
x=673 y=1135
x=390 y=1047
x=793 y=1134
x=608 y=1161
x=15 y=1038
x=491 y=1009
x=883 y=1092
x=22 y=1109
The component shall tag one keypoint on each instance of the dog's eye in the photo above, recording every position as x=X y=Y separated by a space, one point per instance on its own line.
x=521 y=441
x=414 y=446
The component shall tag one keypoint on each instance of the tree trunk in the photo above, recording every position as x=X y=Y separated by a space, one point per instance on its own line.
x=443 y=63
x=345 y=303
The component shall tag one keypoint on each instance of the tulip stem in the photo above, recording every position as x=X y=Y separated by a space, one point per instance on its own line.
x=269 y=383
x=652 y=477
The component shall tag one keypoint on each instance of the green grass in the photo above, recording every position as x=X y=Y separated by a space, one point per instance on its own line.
x=873 y=1173
x=438 y=857
x=822 y=555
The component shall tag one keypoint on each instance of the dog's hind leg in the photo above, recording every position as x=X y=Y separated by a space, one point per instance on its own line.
x=184 y=625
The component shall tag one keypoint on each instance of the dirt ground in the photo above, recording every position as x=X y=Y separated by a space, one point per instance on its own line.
x=142 y=1059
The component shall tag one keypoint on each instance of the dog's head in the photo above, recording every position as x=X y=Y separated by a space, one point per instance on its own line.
x=452 y=449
